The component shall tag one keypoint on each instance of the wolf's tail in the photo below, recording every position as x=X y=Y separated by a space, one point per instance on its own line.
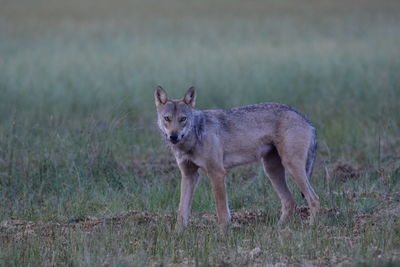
x=312 y=153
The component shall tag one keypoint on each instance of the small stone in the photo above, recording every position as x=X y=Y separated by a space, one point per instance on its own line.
x=255 y=252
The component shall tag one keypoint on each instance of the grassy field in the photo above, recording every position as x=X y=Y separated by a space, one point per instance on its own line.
x=85 y=179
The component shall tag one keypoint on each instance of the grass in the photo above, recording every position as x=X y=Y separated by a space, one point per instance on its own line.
x=79 y=143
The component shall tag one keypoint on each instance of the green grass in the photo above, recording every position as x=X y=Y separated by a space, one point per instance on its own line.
x=78 y=136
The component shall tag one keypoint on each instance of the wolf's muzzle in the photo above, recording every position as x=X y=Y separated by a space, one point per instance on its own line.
x=173 y=138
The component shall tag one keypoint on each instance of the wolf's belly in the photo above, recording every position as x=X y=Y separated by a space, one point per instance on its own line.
x=245 y=156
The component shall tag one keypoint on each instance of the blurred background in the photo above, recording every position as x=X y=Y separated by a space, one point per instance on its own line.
x=77 y=115
x=86 y=179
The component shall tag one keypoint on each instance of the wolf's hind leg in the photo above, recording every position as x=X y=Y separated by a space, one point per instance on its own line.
x=296 y=169
x=275 y=171
x=294 y=150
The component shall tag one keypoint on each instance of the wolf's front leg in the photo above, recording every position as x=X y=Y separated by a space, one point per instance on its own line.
x=217 y=178
x=189 y=180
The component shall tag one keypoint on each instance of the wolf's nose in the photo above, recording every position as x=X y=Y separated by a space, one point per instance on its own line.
x=173 y=138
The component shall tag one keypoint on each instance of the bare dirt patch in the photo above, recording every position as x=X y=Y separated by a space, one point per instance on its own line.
x=346 y=171
x=17 y=229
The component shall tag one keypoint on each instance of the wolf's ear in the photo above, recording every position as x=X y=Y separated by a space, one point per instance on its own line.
x=160 y=96
x=190 y=97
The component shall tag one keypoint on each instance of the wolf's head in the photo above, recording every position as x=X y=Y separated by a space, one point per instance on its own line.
x=175 y=116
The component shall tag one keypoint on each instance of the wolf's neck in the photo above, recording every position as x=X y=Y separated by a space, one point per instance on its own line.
x=198 y=124
x=195 y=134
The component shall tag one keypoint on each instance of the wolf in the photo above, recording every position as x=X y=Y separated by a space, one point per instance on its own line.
x=276 y=135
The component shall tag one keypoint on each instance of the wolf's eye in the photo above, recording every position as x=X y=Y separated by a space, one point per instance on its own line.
x=182 y=119
x=167 y=119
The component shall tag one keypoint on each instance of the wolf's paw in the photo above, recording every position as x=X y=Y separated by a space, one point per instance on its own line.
x=314 y=215
x=179 y=228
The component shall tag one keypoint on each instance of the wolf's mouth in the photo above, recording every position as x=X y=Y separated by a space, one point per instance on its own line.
x=175 y=141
